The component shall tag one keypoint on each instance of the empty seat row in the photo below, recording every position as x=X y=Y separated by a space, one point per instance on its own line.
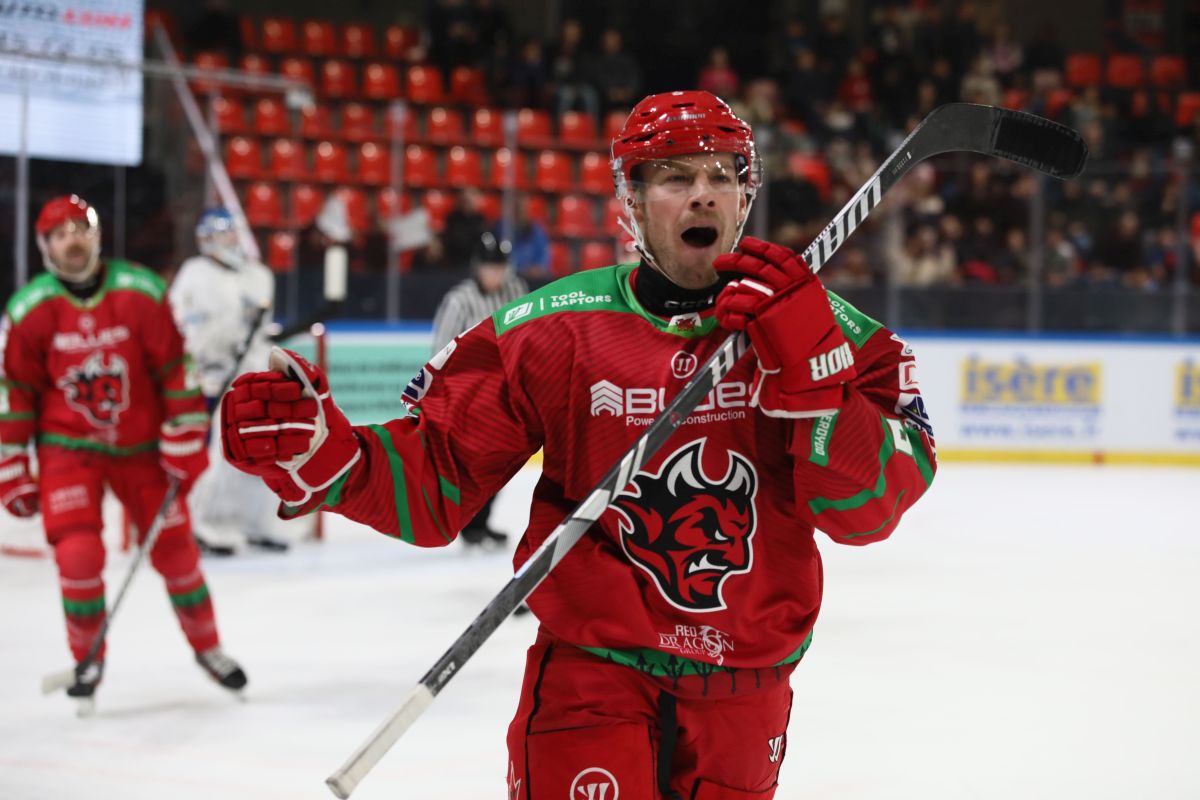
x=324 y=38
x=1125 y=70
x=552 y=170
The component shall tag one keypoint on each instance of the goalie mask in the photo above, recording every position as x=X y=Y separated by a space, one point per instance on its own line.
x=217 y=237
x=661 y=130
x=68 y=235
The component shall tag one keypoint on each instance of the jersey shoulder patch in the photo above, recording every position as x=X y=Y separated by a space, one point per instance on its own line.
x=42 y=288
x=856 y=326
x=589 y=290
x=125 y=275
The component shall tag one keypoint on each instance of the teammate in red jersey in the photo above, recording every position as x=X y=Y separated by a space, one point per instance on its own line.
x=94 y=374
x=668 y=634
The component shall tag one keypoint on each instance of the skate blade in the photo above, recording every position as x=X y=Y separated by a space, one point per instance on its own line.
x=57 y=681
x=85 y=707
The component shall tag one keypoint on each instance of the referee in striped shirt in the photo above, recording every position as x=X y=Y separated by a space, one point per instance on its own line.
x=492 y=284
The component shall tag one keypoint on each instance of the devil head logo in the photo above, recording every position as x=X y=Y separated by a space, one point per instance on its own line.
x=99 y=390
x=689 y=532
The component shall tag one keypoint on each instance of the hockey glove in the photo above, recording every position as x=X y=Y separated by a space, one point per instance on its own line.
x=183 y=451
x=284 y=427
x=18 y=489
x=803 y=358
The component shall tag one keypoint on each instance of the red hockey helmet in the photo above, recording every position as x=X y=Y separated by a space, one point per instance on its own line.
x=60 y=211
x=675 y=124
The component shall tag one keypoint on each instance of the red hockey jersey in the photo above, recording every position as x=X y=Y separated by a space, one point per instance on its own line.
x=708 y=557
x=100 y=374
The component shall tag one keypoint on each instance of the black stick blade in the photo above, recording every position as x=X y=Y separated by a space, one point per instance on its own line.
x=1039 y=143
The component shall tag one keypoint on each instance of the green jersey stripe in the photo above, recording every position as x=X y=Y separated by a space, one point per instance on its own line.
x=881 y=526
x=400 y=485
x=886 y=449
x=192 y=598
x=71 y=443
x=84 y=608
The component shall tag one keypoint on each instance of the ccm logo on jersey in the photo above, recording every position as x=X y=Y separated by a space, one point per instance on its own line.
x=831 y=363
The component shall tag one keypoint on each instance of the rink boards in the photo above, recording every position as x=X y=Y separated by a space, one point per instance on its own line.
x=991 y=398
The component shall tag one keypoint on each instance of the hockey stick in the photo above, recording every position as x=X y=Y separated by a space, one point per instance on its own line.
x=1016 y=136
x=243 y=347
x=54 y=681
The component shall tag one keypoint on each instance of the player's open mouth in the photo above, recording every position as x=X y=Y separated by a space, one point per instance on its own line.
x=702 y=564
x=699 y=236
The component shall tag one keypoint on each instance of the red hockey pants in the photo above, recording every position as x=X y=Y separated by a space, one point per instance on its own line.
x=589 y=729
x=72 y=487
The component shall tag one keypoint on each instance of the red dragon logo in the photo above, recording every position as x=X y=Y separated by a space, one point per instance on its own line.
x=100 y=391
x=689 y=532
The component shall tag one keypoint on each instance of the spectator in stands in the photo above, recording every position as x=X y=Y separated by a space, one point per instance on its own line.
x=527 y=79
x=850 y=269
x=979 y=84
x=452 y=33
x=217 y=30
x=1060 y=260
x=615 y=73
x=1120 y=251
x=492 y=26
x=854 y=91
x=717 y=76
x=465 y=224
x=530 y=255
x=1006 y=54
x=806 y=90
x=923 y=260
x=568 y=80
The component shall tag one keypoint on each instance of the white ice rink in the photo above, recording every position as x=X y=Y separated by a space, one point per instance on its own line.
x=1029 y=632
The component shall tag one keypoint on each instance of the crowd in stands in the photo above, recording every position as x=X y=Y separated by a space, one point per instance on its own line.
x=831 y=102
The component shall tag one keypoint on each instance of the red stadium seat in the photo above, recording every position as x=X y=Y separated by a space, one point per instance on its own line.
x=468 y=86
x=281 y=251
x=356 y=207
x=1057 y=100
x=358 y=41
x=300 y=69
x=538 y=208
x=577 y=129
x=338 y=79
x=487 y=127
x=318 y=38
x=380 y=81
x=247 y=33
x=439 y=204
x=1083 y=69
x=1124 y=71
x=463 y=168
x=329 y=162
x=229 y=114
x=595 y=173
x=575 y=216
x=314 y=122
x=278 y=35
x=410 y=133
x=1168 y=72
x=398 y=40
x=243 y=158
x=425 y=85
x=1015 y=98
x=287 y=160
x=256 y=64
x=358 y=122
x=552 y=171
x=1187 y=108
x=389 y=203
x=597 y=254
x=305 y=203
x=208 y=61
x=614 y=212
x=533 y=128
x=420 y=166
x=501 y=159
x=561 y=259
x=374 y=164
x=270 y=117
x=263 y=206
x=491 y=206
x=613 y=122
x=444 y=125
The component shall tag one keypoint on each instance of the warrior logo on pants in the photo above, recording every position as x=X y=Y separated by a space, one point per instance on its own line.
x=100 y=391
x=689 y=532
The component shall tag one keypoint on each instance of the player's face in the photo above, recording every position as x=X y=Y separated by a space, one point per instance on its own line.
x=689 y=209
x=71 y=247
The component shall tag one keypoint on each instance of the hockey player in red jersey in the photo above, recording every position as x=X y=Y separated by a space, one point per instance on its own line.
x=669 y=633
x=94 y=376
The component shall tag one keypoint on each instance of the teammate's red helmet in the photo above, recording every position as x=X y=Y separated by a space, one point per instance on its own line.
x=63 y=209
x=679 y=123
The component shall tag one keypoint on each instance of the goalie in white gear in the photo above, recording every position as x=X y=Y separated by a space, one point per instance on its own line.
x=222 y=302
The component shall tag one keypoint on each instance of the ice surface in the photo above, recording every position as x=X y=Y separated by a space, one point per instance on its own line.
x=1029 y=632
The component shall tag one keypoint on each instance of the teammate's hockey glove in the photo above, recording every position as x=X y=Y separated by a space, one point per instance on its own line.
x=18 y=489
x=283 y=426
x=803 y=358
x=183 y=450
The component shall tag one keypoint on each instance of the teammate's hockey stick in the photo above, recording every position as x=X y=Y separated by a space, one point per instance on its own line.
x=1024 y=138
x=67 y=677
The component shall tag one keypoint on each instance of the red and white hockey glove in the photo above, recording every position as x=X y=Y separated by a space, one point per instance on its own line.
x=284 y=427
x=803 y=358
x=183 y=451
x=18 y=489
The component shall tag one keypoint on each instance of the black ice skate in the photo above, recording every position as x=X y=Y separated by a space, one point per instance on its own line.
x=222 y=669
x=267 y=543
x=479 y=537
x=84 y=689
x=212 y=548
